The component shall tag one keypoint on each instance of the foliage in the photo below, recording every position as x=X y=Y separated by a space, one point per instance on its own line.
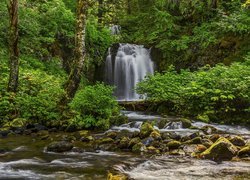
x=220 y=93
x=94 y=107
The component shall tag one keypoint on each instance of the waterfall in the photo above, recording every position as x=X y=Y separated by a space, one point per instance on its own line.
x=130 y=66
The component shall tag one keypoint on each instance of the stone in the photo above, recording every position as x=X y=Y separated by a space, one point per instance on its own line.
x=147 y=141
x=200 y=148
x=209 y=129
x=133 y=141
x=244 y=152
x=146 y=129
x=111 y=134
x=237 y=141
x=139 y=147
x=173 y=144
x=60 y=146
x=206 y=142
x=222 y=149
x=155 y=135
x=186 y=123
x=124 y=143
x=177 y=152
x=105 y=141
x=152 y=150
x=196 y=140
x=116 y=177
x=214 y=137
x=87 y=139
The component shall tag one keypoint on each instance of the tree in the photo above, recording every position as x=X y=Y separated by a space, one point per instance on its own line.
x=74 y=78
x=13 y=45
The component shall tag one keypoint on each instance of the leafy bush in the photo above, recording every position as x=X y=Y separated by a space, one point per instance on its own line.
x=94 y=107
x=220 y=93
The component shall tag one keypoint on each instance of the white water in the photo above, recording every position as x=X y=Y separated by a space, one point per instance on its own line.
x=132 y=64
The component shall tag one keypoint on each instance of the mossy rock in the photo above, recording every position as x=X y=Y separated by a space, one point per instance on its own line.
x=134 y=141
x=206 y=142
x=124 y=143
x=60 y=146
x=177 y=152
x=209 y=129
x=105 y=141
x=80 y=134
x=153 y=150
x=174 y=144
x=244 y=152
x=139 y=147
x=200 y=148
x=87 y=139
x=237 y=141
x=186 y=123
x=111 y=134
x=196 y=140
x=155 y=135
x=222 y=149
x=214 y=137
x=146 y=129
x=116 y=177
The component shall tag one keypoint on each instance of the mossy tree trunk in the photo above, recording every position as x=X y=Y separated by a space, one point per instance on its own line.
x=13 y=45
x=74 y=78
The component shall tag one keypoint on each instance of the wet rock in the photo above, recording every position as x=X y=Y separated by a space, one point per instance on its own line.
x=186 y=123
x=80 y=134
x=165 y=135
x=200 y=148
x=162 y=123
x=152 y=150
x=87 y=139
x=105 y=141
x=177 y=152
x=124 y=143
x=244 y=152
x=222 y=149
x=173 y=144
x=175 y=136
x=111 y=134
x=214 y=137
x=209 y=129
x=124 y=133
x=139 y=147
x=206 y=142
x=4 y=132
x=60 y=146
x=155 y=135
x=147 y=141
x=116 y=177
x=237 y=141
x=43 y=133
x=69 y=138
x=134 y=141
x=196 y=140
x=190 y=148
x=194 y=135
x=146 y=129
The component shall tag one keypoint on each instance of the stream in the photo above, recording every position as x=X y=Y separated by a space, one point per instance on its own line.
x=25 y=157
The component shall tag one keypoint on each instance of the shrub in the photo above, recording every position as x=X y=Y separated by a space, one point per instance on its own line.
x=94 y=107
x=220 y=93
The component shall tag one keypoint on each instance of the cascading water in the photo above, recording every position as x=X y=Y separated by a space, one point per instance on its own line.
x=130 y=66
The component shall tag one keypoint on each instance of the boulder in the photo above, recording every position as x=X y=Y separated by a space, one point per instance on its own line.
x=87 y=139
x=177 y=152
x=116 y=177
x=244 y=152
x=237 y=141
x=186 y=123
x=153 y=150
x=134 y=141
x=139 y=147
x=105 y=141
x=146 y=129
x=60 y=146
x=206 y=142
x=124 y=143
x=155 y=134
x=147 y=141
x=111 y=134
x=196 y=140
x=222 y=149
x=173 y=144
x=214 y=137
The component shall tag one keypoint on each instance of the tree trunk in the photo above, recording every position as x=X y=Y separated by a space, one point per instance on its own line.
x=74 y=78
x=13 y=45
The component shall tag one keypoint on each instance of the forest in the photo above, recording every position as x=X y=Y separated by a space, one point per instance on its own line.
x=124 y=89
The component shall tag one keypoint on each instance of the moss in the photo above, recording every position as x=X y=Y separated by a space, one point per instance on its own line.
x=153 y=150
x=186 y=123
x=146 y=129
x=124 y=143
x=237 y=141
x=155 y=134
x=105 y=141
x=244 y=152
x=139 y=147
x=134 y=141
x=116 y=177
x=173 y=144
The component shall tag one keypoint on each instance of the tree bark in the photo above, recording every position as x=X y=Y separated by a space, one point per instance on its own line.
x=74 y=78
x=13 y=45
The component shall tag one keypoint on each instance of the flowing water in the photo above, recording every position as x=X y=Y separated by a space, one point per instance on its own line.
x=130 y=66
x=25 y=157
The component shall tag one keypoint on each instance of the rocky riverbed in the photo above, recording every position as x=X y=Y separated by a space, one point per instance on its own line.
x=147 y=147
